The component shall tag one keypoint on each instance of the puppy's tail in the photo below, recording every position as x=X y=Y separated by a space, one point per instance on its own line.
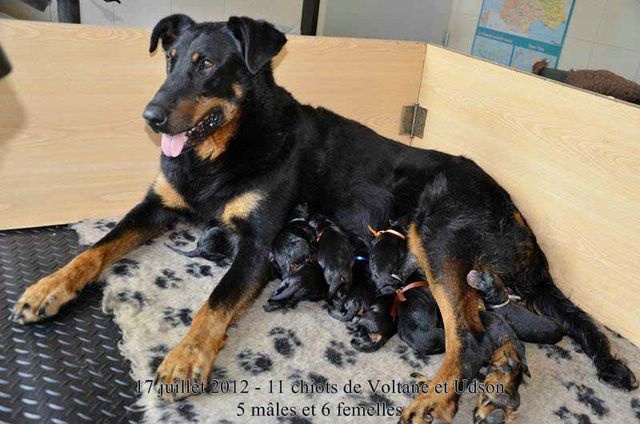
x=549 y=300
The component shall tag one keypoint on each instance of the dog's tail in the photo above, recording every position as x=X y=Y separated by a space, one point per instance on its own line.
x=547 y=299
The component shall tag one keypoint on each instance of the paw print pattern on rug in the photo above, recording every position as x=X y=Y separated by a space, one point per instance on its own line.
x=569 y=417
x=187 y=412
x=414 y=359
x=254 y=362
x=158 y=353
x=285 y=341
x=198 y=271
x=587 y=396
x=125 y=267
x=555 y=352
x=104 y=225
x=339 y=354
x=168 y=279
x=635 y=407
x=294 y=420
x=181 y=238
x=136 y=298
x=176 y=317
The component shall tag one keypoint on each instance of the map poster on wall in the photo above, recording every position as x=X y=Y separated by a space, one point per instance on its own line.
x=518 y=33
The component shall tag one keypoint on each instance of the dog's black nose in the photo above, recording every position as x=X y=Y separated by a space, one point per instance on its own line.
x=155 y=116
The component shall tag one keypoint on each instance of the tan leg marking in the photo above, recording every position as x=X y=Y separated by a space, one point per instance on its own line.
x=192 y=359
x=505 y=371
x=169 y=196
x=459 y=308
x=44 y=299
x=241 y=207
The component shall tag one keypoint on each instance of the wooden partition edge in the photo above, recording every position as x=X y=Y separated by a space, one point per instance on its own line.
x=73 y=144
x=570 y=160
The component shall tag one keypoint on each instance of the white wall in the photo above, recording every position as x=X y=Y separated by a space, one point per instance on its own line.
x=419 y=20
x=146 y=13
x=603 y=34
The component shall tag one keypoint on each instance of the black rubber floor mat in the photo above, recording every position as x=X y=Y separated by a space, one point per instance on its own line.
x=67 y=369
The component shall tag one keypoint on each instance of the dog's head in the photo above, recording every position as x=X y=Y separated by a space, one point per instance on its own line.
x=210 y=69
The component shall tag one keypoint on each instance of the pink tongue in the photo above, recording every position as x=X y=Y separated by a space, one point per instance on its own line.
x=172 y=145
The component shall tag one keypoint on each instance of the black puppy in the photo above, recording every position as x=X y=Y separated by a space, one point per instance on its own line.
x=528 y=326
x=375 y=327
x=293 y=245
x=394 y=270
x=500 y=349
x=215 y=244
x=335 y=253
x=306 y=282
x=361 y=293
x=419 y=321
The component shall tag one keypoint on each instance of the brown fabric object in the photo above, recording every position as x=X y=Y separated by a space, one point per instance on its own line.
x=600 y=81
x=605 y=82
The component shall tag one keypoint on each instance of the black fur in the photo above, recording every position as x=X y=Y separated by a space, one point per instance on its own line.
x=286 y=153
x=305 y=283
x=375 y=327
x=360 y=296
x=215 y=244
x=528 y=326
x=335 y=253
x=294 y=244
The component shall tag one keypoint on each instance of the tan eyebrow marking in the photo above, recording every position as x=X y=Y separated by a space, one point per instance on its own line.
x=195 y=56
x=173 y=52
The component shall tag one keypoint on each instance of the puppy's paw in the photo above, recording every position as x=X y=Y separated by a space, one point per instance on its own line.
x=186 y=365
x=430 y=408
x=42 y=300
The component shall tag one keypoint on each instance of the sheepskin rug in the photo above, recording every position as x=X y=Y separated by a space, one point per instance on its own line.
x=278 y=367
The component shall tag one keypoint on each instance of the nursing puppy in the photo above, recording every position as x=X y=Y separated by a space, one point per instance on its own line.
x=294 y=243
x=527 y=325
x=361 y=294
x=335 y=253
x=215 y=244
x=294 y=256
x=306 y=282
x=375 y=327
x=418 y=319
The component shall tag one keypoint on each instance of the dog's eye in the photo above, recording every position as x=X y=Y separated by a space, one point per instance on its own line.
x=206 y=64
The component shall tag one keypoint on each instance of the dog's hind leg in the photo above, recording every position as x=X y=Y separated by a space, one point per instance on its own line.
x=501 y=399
x=459 y=307
x=150 y=217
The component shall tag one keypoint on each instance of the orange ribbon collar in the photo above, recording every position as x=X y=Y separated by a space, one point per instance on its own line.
x=400 y=297
x=377 y=234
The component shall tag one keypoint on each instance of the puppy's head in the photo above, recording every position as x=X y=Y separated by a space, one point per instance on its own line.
x=388 y=257
x=210 y=68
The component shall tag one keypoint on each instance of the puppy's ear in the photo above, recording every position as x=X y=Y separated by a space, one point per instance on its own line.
x=257 y=41
x=168 y=30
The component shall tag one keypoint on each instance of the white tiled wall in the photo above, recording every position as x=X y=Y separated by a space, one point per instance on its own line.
x=146 y=13
x=603 y=34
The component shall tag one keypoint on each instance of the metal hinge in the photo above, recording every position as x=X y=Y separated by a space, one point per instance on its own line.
x=413 y=120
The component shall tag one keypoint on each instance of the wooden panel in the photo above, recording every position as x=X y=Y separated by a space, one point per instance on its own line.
x=571 y=161
x=72 y=141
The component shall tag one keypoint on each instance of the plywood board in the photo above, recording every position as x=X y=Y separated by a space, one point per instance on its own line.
x=73 y=144
x=571 y=161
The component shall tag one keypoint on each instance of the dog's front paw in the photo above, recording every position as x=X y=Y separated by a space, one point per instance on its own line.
x=42 y=300
x=186 y=366
x=429 y=408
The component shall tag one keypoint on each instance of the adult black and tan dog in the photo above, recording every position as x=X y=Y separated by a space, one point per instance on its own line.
x=240 y=149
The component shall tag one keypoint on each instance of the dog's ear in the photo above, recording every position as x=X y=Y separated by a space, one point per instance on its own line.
x=257 y=41
x=168 y=30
